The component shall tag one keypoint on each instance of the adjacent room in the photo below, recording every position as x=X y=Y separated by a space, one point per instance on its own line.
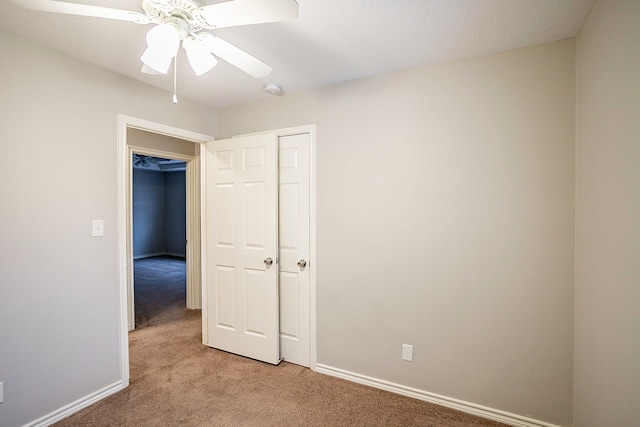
x=463 y=173
x=159 y=238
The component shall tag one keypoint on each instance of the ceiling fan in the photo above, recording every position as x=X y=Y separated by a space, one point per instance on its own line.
x=144 y=161
x=157 y=163
x=177 y=21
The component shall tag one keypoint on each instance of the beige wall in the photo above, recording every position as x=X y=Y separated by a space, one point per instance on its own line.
x=445 y=199
x=607 y=300
x=143 y=139
x=445 y=221
x=59 y=321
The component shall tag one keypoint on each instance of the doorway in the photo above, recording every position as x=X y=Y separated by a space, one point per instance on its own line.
x=155 y=139
x=159 y=235
x=141 y=146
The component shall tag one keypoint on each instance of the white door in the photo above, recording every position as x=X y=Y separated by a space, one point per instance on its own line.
x=294 y=209
x=242 y=247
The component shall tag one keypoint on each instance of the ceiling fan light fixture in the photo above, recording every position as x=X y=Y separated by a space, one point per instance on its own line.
x=157 y=60
x=165 y=34
x=181 y=21
x=163 y=42
x=199 y=57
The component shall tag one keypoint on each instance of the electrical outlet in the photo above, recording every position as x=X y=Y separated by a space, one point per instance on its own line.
x=407 y=352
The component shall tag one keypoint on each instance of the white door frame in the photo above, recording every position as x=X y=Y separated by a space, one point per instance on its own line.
x=124 y=219
x=313 y=261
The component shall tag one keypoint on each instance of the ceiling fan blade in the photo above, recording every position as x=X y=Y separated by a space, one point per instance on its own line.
x=235 y=56
x=83 y=10
x=246 y=12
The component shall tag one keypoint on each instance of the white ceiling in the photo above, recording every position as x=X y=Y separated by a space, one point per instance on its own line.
x=332 y=40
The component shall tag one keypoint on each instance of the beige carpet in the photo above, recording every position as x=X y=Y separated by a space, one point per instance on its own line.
x=177 y=381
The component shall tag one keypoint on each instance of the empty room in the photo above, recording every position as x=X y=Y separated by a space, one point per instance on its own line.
x=416 y=212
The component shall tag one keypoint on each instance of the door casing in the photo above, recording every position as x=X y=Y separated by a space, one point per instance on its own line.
x=124 y=217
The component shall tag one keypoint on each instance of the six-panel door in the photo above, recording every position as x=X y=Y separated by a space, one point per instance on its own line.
x=242 y=247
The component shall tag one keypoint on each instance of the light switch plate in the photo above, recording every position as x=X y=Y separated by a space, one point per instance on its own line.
x=1 y=392
x=97 y=228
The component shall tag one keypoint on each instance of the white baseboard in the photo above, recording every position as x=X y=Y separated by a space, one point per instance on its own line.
x=459 y=405
x=148 y=255
x=175 y=254
x=76 y=406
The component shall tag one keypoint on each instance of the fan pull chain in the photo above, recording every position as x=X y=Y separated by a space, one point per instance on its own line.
x=175 y=78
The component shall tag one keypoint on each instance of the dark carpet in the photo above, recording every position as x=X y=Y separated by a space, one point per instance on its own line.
x=159 y=288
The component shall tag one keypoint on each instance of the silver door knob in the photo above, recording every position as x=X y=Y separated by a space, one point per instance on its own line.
x=302 y=263
x=268 y=261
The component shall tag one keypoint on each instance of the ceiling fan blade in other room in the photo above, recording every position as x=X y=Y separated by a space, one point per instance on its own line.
x=235 y=56
x=83 y=10
x=245 y=12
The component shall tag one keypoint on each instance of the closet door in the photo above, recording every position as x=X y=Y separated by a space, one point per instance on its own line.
x=242 y=247
x=295 y=267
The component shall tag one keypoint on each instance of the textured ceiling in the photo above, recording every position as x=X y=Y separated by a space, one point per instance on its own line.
x=332 y=40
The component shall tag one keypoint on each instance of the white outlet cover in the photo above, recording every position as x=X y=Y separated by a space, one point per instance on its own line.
x=407 y=352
